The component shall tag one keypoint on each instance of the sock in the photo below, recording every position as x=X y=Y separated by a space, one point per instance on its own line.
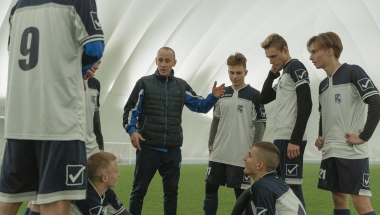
x=370 y=213
x=27 y=210
x=342 y=212
x=210 y=204
x=297 y=190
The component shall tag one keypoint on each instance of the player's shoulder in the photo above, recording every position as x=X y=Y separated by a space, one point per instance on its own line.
x=295 y=64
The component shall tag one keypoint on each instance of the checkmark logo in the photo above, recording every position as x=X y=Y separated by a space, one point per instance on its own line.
x=246 y=178
x=261 y=211
x=365 y=84
x=95 y=20
x=365 y=180
x=74 y=174
x=97 y=23
x=96 y=210
x=301 y=76
x=291 y=169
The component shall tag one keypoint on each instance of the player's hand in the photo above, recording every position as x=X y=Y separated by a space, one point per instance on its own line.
x=293 y=151
x=275 y=69
x=209 y=150
x=89 y=74
x=101 y=150
x=218 y=91
x=135 y=140
x=319 y=142
x=353 y=139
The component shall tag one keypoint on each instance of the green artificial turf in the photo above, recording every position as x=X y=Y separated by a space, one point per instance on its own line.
x=192 y=186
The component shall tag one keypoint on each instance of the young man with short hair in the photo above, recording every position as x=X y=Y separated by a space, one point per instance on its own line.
x=343 y=134
x=269 y=194
x=293 y=105
x=102 y=175
x=153 y=117
x=238 y=122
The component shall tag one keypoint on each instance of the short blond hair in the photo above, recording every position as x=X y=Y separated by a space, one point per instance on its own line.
x=269 y=154
x=98 y=163
x=237 y=59
x=274 y=40
x=325 y=41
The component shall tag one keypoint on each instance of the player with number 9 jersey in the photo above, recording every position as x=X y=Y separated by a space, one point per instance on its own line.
x=51 y=43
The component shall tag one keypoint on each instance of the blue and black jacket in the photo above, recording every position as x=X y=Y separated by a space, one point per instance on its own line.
x=154 y=109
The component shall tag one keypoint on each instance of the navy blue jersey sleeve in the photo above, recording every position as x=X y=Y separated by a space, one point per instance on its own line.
x=298 y=73
x=133 y=108
x=362 y=82
x=114 y=206
x=263 y=200
x=198 y=104
x=260 y=110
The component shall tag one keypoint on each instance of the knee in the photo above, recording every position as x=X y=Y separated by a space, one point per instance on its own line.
x=211 y=188
x=362 y=204
x=340 y=200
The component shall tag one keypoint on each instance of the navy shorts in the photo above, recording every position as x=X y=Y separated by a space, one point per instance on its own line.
x=350 y=176
x=43 y=171
x=290 y=170
x=227 y=175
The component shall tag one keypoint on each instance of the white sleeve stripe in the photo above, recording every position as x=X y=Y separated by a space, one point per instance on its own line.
x=135 y=108
x=370 y=94
x=199 y=97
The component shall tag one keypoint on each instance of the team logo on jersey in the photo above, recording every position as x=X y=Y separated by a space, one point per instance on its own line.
x=365 y=180
x=208 y=171
x=291 y=169
x=365 y=84
x=261 y=211
x=246 y=178
x=263 y=114
x=240 y=108
x=74 y=175
x=95 y=20
x=93 y=99
x=96 y=210
x=338 y=98
x=302 y=75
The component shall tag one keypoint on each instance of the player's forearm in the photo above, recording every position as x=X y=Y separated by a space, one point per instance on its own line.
x=213 y=130
x=241 y=202
x=98 y=130
x=268 y=94
x=373 y=117
x=259 y=132
x=304 y=106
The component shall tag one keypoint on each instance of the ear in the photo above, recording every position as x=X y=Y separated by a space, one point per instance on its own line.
x=156 y=61
x=260 y=166
x=175 y=62
x=285 y=50
x=104 y=178
x=330 y=51
x=246 y=72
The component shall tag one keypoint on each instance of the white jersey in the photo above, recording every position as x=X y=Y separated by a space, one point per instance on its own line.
x=343 y=110
x=285 y=113
x=92 y=104
x=237 y=110
x=45 y=97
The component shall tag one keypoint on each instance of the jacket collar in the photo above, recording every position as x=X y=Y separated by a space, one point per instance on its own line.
x=164 y=78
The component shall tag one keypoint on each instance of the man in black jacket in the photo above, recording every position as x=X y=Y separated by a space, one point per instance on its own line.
x=292 y=110
x=152 y=117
